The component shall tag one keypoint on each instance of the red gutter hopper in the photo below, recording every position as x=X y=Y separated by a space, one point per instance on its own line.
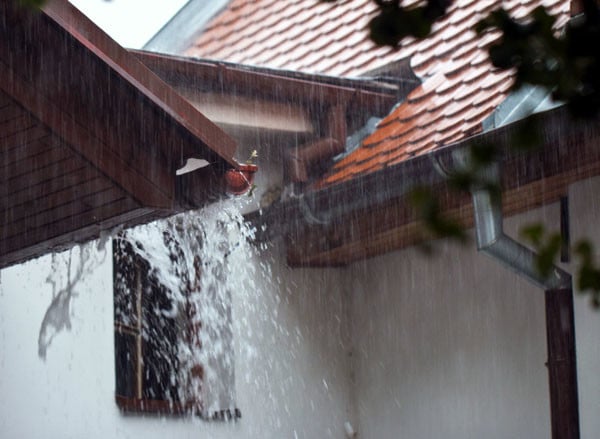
x=239 y=181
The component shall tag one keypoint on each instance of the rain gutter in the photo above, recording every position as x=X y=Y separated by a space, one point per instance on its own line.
x=179 y=32
x=558 y=295
x=568 y=145
x=491 y=239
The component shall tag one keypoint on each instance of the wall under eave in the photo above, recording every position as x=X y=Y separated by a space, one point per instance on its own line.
x=585 y=210
x=403 y=345
x=454 y=345
x=292 y=372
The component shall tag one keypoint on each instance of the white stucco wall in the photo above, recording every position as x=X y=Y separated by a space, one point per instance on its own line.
x=454 y=345
x=402 y=346
x=291 y=362
x=449 y=346
x=584 y=202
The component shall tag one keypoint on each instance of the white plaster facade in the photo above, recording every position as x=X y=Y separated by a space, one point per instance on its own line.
x=401 y=346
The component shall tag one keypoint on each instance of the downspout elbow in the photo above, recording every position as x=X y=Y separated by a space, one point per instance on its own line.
x=492 y=241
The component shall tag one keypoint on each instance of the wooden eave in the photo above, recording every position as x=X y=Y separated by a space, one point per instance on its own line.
x=274 y=84
x=371 y=215
x=312 y=94
x=90 y=138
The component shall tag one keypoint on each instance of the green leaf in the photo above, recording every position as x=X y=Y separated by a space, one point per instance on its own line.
x=533 y=233
x=428 y=209
x=32 y=3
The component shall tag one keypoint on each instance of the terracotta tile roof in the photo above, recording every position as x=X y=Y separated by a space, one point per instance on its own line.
x=460 y=87
x=303 y=35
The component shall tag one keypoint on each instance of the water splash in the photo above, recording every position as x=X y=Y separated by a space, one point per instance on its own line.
x=200 y=258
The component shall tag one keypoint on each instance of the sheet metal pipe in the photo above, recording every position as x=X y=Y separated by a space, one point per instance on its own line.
x=492 y=241
x=560 y=326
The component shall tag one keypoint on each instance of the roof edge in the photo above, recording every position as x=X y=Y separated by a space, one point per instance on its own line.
x=331 y=202
x=141 y=77
x=167 y=63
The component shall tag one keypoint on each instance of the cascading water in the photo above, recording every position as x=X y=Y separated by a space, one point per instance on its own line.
x=194 y=261
x=199 y=258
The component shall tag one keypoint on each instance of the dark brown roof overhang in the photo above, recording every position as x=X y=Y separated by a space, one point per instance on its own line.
x=308 y=90
x=90 y=138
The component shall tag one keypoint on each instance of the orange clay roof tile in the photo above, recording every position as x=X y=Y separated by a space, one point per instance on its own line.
x=460 y=87
x=476 y=72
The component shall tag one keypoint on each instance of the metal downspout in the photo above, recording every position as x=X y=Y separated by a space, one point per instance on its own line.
x=492 y=241
x=560 y=326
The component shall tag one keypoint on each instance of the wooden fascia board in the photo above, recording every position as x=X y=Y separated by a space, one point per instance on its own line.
x=395 y=226
x=150 y=179
x=227 y=78
x=141 y=78
x=384 y=224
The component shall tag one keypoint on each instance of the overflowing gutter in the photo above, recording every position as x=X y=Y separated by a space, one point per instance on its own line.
x=569 y=150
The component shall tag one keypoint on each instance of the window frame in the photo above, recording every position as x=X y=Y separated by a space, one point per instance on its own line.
x=142 y=284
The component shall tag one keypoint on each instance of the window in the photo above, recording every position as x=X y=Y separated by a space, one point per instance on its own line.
x=157 y=328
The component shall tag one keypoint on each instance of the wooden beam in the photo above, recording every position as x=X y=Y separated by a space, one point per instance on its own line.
x=142 y=79
x=562 y=366
x=264 y=84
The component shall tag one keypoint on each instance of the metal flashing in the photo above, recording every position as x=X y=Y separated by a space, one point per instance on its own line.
x=181 y=30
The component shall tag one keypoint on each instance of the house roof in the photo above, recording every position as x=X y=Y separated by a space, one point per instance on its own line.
x=460 y=87
x=90 y=138
x=257 y=98
x=337 y=225
x=460 y=90
x=301 y=35
x=267 y=83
